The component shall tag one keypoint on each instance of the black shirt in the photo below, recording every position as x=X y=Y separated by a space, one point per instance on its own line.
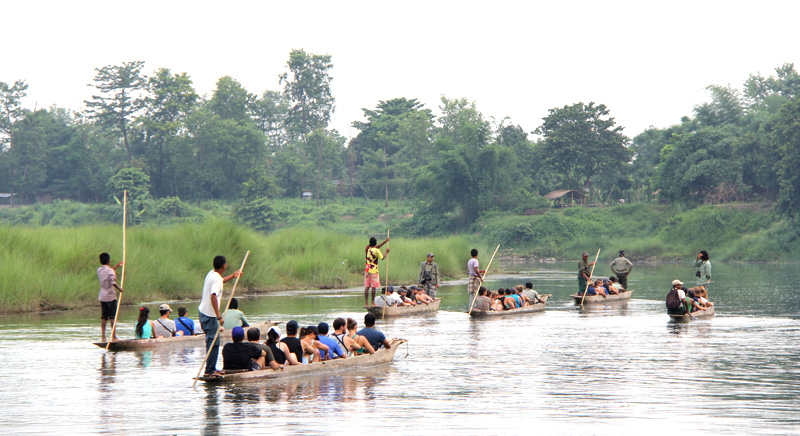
x=278 y=353
x=294 y=346
x=239 y=355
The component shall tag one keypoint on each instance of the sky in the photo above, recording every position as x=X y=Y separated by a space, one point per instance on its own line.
x=648 y=61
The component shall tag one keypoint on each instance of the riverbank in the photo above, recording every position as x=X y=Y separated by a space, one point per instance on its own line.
x=49 y=268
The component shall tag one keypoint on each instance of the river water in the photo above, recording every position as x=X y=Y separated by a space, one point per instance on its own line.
x=621 y=368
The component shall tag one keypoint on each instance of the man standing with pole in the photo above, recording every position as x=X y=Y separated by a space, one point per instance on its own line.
x=371 y=278
x=475 y=276
x=429 y=276
x=584 y=273
x=210 y=317
x=621 y=267
x=108 y=297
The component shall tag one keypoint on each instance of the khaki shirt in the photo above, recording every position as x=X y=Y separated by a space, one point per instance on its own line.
x=621 y=265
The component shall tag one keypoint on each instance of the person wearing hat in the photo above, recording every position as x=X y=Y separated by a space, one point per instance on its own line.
x=429 y=276
x=165 y=327
x=685 y=298
x=621 y=267
x=584 y=273
x=292 y=341
x=241 y=355
x=420 y=296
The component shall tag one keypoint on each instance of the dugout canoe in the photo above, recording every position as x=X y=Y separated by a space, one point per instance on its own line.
x=700 y=314
x=598 y=299
x=391 y=312
x=538 y=307
x=196 y=341
x=381 y=357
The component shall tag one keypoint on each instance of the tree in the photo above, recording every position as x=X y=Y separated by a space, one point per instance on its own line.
x=463 y=123
x=270 y=113
x=11 y=111
x=725 y=107
x=170 y=100
x=307 y=86
x=580 y=141
x=120 y=99
x=31 y=136
x=786 y=134
x=230 y=100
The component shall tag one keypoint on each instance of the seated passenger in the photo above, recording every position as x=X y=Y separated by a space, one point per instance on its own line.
x=253 y=336
x=279 y=349
x=610 y=290
x=509 y=302
x=686 y=299
x=164 y=327
x=184 y=326
x=351 y=346
x=241 y=355
x=596 y=288
x=524 y=298
x=335 y=349
x=615 y=284
x=421 y=296
x=497 y=302
x=292 y=341
x=532 y=295
x=144 y=326
x=405 y=295
x=388 y=298
x=700 y=296
x=375 y=337
x=482 y=302
x=234 y=316
x=366 y=347
x=312 y=348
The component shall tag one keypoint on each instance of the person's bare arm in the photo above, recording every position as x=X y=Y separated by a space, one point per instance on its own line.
x=382 y=243
x=237 y=273
x=387 y=344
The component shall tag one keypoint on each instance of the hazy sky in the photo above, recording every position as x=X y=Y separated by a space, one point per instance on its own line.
x=648 y=61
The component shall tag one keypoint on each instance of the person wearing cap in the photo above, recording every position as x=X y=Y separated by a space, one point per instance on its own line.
x=372 y=279
x=375 y=337
x=292 y=341
x=165 y=327
x=429 y=276
x=389 y=298
x=335 y=350
x=621 y=267
x=234 y=316
x=253 y=336
x=208 y=310
x=107 y=296
x=420 y=296
x=239 y=355
x=584 y=273
x=685 y=297
x=279 y=349
x=475 y=276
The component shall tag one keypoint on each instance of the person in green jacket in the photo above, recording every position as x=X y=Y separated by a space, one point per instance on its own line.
x=703 y=266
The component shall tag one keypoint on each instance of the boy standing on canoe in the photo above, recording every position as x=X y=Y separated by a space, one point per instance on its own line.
x=371 y=277
x=210 y=318
x=108 y=297
x=475 y=276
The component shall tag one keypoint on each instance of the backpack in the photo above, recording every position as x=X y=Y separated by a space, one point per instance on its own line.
x=673 y=302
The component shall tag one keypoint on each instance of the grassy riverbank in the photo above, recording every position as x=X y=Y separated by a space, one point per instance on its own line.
x=53 y=267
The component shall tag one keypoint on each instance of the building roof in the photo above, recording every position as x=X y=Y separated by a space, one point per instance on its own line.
x=562 y=192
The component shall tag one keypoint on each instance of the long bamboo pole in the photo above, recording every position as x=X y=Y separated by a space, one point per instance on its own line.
x=383 y=315
x=122 y=279
x=233 y=291
x=485 y=272
x=590 y=276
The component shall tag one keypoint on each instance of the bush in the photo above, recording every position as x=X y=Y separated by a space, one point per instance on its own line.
x=258 y=214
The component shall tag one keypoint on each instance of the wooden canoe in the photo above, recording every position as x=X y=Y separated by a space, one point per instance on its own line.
x=196 y=341
x=381 y=357
x=598 y=299
x=538 y=307
x=378 y=311
x=700 y=314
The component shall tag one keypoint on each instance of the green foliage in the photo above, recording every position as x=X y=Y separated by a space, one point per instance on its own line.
x=786 y=134
x=256 y=213
x=173 y=207
x=132 y=179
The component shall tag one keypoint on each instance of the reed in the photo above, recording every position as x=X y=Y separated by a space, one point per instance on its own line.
x=54 y=267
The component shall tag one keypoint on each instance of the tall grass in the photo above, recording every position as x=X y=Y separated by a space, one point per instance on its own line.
x=55 y=266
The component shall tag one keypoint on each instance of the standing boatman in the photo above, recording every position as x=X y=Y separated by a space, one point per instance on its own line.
x=621 y=267
x=107 y=296
x=475 y=276
x=371 y=277
x=584 y=272
x=429 y=276
x=210 y=318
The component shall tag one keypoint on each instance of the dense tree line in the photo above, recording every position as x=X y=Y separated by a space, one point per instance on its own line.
x=155 y=136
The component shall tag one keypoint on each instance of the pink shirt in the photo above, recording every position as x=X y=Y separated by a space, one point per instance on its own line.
x=108 y=278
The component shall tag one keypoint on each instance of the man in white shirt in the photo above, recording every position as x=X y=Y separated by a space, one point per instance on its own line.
x=210 y=318
x=389 y=298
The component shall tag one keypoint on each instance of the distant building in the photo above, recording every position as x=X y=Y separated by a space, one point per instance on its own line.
x=307 y=195
x=566 y=198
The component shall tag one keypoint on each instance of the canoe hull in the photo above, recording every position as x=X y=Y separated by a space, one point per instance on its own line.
x=391 y=312
x=598 y=299
x=381 y=357
x=702 y=314
x=195 y=341
x=538 y=307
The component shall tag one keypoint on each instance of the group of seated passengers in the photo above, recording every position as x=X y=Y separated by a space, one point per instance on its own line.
x=507 y=299
x=301 y=345
x=411 y=296
x=696 y=297
x=604 y=287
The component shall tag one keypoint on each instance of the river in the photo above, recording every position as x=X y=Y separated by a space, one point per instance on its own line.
x=616 y=369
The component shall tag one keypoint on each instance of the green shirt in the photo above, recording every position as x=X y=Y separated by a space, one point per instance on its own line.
x=583 y=267
x=233 y=318
x=705 y=272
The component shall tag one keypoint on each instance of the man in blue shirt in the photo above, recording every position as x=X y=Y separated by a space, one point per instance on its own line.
x=335 y=350
x=375 y=337
x=184 y=326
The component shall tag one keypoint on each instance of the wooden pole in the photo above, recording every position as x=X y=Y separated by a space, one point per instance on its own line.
x=122 y=279
x=486 y=271
x=590 y=276
x=383 y=315
x=233 y=291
